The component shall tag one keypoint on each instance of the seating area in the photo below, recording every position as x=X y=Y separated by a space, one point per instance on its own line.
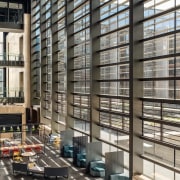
x=15 y=151
x=28 y=158
x=31 y=159
x=33 y=169
x=37 y=170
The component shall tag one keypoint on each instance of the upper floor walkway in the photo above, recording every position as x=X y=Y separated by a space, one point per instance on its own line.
x=11 y=27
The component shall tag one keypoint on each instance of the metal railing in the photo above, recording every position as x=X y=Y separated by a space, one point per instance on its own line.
x=11 y=97
x=11 y=60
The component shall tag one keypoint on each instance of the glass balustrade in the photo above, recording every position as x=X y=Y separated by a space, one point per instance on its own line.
x=11 y=59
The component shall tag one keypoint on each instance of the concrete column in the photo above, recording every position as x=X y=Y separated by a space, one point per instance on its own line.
x=95 y=70
x=27 y=55
x=70 y=64
x=135 y=87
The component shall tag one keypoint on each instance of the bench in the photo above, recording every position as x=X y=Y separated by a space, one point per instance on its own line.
x=20 y=167
x=56 y=172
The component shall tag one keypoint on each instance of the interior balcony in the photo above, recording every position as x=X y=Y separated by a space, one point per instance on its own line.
x=12 y=60
x=11 y=17
x=11 y=97
x=11 y=100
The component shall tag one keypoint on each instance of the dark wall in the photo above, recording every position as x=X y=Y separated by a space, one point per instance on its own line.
x=27 y=6
x=35 y=114
x=28 y=115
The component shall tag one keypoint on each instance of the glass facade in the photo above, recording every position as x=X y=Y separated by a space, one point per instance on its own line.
x=46 y=59
x=58 y=65
x=35 y=53
x=109 y=69
x=161 y=87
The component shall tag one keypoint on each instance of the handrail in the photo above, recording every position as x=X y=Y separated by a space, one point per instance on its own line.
x=12 y=57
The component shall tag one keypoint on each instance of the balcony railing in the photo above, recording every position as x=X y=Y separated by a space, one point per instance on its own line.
x=11 y=60
x=11 y=96
x=11 y=100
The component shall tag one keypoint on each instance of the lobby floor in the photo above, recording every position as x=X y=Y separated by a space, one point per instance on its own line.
x=50 y=157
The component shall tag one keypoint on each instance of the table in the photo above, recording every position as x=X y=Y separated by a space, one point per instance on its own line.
x=28 y=154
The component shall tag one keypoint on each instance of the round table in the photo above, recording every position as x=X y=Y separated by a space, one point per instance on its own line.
x=28 y=154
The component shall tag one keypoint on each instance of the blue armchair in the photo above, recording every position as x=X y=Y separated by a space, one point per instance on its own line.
x=97 y=168
x=81 y=160
x=68 y=151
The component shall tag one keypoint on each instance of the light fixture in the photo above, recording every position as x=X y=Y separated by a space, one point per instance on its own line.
x=18 y=128
x=33 y=128
x=4 y=129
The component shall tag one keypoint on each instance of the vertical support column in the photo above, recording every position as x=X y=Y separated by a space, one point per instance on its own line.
x=5 y=68
x=27 y=55
x=95 y=72
x=136 y=86
x=42 y=61
x=4 y=82
x=70 y=62
x=23 y=125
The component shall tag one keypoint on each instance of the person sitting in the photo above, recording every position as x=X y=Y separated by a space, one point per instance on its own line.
x=51 y=137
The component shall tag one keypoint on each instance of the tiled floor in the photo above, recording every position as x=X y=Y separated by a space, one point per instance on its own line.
x=50 y=157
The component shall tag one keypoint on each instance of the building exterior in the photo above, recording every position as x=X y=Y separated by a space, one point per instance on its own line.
x=109 y=69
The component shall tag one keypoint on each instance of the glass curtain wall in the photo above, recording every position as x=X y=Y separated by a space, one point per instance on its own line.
x=115 y=64
x=59 y=65
x=160 y=117
x=114 y=71
x=113 y=77
x=79 y=30
x=46 y=60
x=35 y=53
